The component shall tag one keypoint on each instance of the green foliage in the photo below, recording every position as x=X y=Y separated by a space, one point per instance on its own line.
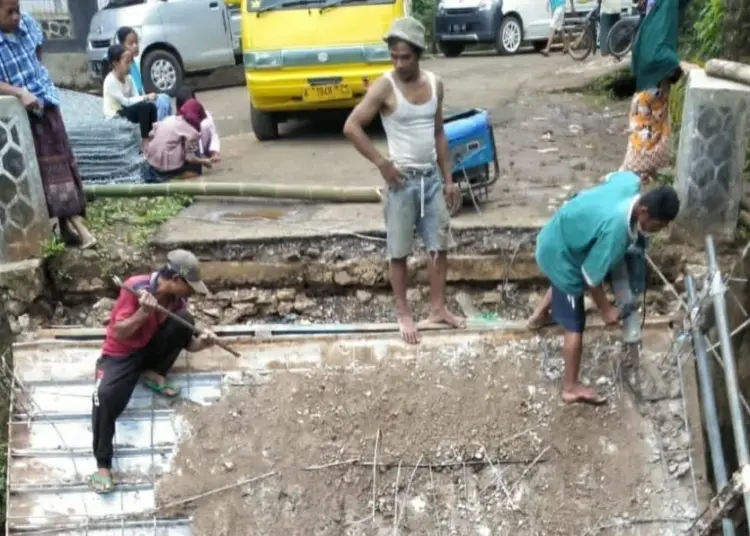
x=138 y=218
x=676 y=103
x=702 y=30
x=424 y=11
x=52 y=247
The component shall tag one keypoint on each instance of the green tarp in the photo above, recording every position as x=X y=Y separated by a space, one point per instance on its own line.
x=655 y=45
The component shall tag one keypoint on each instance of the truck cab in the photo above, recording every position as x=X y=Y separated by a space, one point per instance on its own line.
x=304 y=56
x=177 y=37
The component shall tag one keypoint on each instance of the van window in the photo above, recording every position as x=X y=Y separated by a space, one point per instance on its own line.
x=267 y=5
x=122 y=3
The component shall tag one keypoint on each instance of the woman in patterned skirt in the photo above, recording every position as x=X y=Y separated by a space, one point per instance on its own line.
x=22 y=75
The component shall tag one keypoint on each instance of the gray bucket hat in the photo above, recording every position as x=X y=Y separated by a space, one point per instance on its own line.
x=187 y=266
x=407 y=29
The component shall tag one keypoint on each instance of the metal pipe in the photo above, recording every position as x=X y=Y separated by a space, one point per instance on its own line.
x=707 y=397
x=730 y=367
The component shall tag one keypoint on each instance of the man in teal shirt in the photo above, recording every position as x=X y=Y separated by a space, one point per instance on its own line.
x=578 y=247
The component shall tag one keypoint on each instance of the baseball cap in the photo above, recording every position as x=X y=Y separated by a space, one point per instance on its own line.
x=187 y=266
x=407 y=29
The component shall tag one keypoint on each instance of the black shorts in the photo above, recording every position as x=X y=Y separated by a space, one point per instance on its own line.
x=568 y=311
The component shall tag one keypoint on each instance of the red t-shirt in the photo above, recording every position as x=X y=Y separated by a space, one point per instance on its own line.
x=125 y=307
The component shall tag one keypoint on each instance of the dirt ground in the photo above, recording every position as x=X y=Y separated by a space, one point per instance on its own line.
x=471 y=439
x=547 y=143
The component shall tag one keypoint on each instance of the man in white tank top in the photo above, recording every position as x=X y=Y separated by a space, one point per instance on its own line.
x=410 y=103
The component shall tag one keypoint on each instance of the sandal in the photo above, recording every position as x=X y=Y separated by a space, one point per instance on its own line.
x=161 y=388
x=101 y=484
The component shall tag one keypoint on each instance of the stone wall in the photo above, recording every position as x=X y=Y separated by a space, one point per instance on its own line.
x=24 y=220
x=711 y=157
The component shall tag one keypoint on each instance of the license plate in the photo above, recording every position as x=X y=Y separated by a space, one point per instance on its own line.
x=327 y=93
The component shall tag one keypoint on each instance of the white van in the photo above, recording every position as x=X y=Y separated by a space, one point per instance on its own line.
x=506 y=24
x=178 y=37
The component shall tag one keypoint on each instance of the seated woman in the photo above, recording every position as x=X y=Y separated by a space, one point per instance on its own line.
x=209 y=141
x=128 y=38
x=172 y=151
x=119 y=96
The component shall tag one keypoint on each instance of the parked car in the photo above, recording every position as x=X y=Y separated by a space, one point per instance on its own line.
x=505 y=24
x=177 y=37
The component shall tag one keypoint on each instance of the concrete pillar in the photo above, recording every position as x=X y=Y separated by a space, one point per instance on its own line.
x=24 y=219
x=711 y=156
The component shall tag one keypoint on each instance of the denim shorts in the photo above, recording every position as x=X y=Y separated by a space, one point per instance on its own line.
x=568 y=311
x=419 y=205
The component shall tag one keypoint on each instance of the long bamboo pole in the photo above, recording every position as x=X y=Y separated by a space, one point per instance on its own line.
x=351 y=194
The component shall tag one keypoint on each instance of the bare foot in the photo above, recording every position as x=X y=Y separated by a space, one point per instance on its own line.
x=446 y=317
x=540 y=320
x=582 y=394
x=408 y=329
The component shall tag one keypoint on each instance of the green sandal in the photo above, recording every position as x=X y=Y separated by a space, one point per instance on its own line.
x=101 y=484
x=161 y=388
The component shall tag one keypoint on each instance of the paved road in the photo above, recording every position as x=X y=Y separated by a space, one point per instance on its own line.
x=479 y=79
x=547 y=145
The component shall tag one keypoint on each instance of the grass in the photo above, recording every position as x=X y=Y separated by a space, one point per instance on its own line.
x=135 y=218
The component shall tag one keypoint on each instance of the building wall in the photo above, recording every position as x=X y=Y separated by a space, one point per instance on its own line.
x=65 y=24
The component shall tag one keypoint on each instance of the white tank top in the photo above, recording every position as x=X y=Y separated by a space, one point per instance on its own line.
x=410 y=129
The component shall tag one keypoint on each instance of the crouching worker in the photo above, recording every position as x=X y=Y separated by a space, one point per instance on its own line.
x=174 y=143
x=142 y=344
x=577 y=249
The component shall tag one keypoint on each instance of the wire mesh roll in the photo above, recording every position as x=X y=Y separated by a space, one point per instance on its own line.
x=108 y=150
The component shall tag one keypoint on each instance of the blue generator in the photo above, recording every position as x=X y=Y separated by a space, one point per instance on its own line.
x=472 y=146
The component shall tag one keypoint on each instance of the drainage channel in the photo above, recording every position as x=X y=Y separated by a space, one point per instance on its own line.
x=49 y=456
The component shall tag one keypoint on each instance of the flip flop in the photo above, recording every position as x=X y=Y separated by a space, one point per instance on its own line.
x=595 y=401
x=101 y=484
x=161 y=387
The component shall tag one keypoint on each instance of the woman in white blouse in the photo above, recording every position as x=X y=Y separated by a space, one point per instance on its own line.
x=120 y=97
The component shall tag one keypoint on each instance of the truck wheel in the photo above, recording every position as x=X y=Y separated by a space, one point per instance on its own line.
x=451 y=49
x=509 y=36
x=265 y=126
x=162 y=72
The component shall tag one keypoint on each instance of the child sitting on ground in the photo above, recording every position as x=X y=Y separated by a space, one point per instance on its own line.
x=119 y=98
x=128 y=38
x=209 y=141
x=172 y=150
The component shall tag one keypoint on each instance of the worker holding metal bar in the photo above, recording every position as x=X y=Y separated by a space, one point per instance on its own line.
x=148 y=328
x=578 y=248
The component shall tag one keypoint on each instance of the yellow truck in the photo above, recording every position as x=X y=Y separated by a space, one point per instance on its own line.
x=308 y=55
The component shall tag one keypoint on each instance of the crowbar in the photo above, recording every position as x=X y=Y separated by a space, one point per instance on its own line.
x=174 y=317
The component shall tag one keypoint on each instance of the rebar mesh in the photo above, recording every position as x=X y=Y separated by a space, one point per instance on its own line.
x=108 y=150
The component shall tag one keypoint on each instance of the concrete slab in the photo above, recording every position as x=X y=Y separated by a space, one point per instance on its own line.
x=216 y=221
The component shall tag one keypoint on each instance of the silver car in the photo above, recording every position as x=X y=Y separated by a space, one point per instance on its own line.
x=177 y=37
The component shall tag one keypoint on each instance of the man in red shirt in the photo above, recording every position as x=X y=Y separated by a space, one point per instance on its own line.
x=142 y=343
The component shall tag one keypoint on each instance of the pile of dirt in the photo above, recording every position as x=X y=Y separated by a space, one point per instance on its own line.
x=496 y=451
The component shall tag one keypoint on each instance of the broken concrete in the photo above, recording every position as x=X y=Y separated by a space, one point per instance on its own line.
x=623 y=468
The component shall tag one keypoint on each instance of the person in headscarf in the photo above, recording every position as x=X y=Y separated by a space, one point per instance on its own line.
x=210 y=145
x=172 y=150
x=22 y=75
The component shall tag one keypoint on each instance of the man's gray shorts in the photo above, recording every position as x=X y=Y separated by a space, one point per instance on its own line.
x=419 y=204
